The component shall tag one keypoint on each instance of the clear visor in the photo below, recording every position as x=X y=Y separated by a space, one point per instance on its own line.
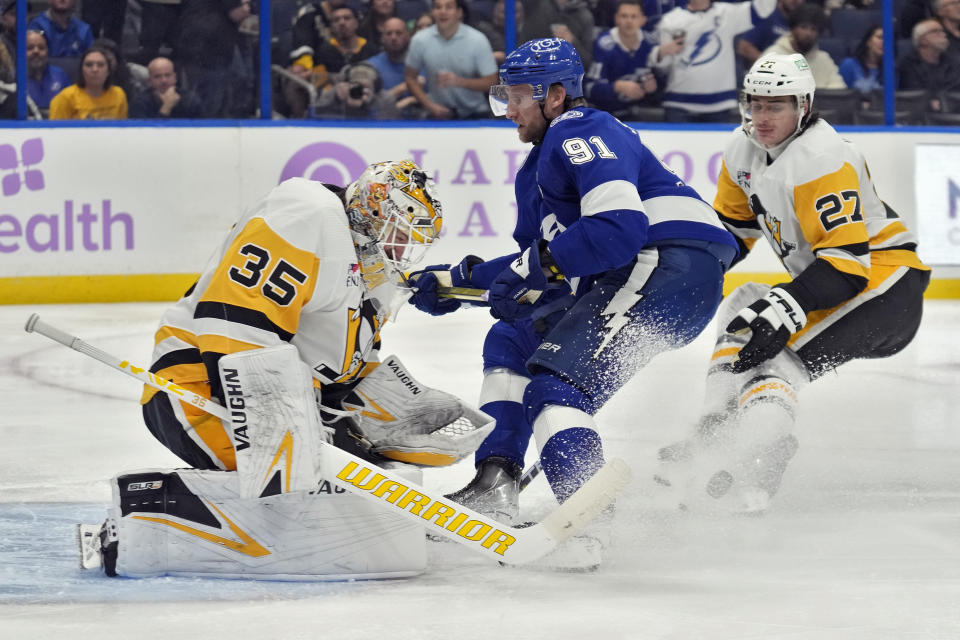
x=770 y=108
x=750 y=105
x=515 y=96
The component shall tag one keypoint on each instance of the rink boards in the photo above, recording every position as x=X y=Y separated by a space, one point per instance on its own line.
x=132 y=213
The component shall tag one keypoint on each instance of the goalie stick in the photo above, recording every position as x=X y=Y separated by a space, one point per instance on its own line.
x=510 y=545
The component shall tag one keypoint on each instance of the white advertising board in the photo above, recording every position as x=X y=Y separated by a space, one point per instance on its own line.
x=158 y=200
x=937 y=179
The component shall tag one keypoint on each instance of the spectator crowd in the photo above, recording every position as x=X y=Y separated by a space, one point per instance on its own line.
x=646 y=60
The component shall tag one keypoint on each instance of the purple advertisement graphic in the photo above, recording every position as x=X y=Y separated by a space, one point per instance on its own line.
x=31 y=153
x=325 y=162
x=55 y=223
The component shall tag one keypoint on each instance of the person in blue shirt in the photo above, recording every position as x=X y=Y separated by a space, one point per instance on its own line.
x=390 y=63
x=863 y=71
x=618 y=261
x=67 y=35
x=44 y=80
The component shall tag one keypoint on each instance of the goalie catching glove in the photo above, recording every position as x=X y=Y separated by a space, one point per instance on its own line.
x=771 y=321
x=401 y=419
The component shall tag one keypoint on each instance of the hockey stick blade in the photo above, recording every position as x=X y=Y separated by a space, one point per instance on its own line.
x=588 y=501
x=511 y=545
x=469 y=294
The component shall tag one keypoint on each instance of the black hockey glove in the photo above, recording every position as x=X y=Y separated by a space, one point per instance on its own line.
x=771 y=320
x=425 y=283
x=519 y=286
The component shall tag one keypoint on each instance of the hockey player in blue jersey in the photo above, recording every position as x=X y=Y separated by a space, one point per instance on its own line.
x=619 y=260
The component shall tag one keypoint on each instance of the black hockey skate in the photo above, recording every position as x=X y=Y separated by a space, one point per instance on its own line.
x=494 y=490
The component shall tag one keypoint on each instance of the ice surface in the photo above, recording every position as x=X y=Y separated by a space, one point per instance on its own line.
x=863 y=541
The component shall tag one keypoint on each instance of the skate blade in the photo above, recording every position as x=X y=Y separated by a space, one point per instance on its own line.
x=88 y=542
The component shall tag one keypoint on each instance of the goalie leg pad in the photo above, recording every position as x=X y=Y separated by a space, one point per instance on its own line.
x=275 y=421
x=410 y=422
x=195 y=523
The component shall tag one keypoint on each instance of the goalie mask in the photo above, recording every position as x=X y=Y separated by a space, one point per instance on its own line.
x=774 y=75
x=394 y=205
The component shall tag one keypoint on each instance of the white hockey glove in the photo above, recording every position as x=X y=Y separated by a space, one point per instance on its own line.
x=771 y=320
x=404 y=420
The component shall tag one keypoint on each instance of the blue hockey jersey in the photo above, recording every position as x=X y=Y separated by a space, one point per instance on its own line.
x=603 y=196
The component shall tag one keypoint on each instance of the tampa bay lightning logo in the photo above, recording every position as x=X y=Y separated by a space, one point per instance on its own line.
x=705 y=49
x=545 y=45
x=567 y=115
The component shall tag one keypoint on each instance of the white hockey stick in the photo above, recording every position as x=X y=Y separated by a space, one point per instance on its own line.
x=484 y=535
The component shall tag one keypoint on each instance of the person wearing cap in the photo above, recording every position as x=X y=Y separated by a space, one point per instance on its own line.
x=618 y=260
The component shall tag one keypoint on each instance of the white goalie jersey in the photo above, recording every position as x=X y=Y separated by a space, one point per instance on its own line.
x=288 y=272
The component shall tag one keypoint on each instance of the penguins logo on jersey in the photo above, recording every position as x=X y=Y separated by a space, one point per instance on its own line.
x=773 y=228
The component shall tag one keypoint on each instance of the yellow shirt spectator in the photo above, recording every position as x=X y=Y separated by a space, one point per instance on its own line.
x=74 y=103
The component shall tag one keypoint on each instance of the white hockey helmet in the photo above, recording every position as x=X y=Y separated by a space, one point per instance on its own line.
x=778 y=74
x=394 y=204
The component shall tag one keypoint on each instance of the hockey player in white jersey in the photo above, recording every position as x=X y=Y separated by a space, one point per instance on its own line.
x=619 y=260
x=856 y=290
x=283 y=329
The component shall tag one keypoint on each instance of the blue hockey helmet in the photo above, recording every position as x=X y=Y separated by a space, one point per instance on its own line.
x=539 y=63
